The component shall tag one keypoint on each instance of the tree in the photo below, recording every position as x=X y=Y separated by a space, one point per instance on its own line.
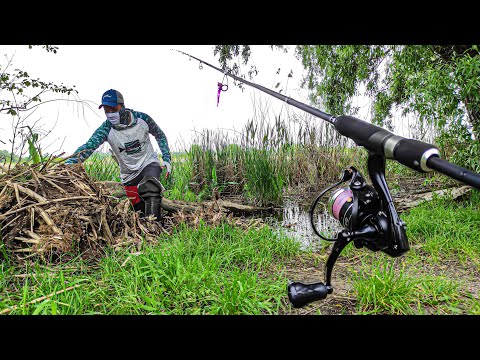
x=19 y=82
x=438 y=83
x=20 y=94
x=226 y=54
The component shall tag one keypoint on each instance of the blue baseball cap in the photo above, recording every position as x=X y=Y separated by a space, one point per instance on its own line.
x=111 y=98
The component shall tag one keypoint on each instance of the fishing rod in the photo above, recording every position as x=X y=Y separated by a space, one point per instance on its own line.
x=366 y=212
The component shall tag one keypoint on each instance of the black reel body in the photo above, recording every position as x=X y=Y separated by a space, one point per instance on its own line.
x=342 y=207
x=369 y=218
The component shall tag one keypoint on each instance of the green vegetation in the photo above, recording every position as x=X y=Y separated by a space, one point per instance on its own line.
x=439 y=272
x=437 y=84
x=261 y=163
x=221 y=270
x=102 y=167
x=226 y=270
x=5 y=157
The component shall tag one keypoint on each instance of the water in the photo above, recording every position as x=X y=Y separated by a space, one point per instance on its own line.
x=294 y=221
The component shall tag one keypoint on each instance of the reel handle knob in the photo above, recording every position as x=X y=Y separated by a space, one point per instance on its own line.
x=301 y=294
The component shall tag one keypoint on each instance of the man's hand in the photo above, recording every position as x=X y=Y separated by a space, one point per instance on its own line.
x=169 y=168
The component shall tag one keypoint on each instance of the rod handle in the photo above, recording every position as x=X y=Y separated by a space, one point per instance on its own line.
x=409 y=152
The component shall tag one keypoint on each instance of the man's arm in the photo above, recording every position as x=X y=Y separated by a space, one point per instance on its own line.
x=159 y=135
x=98 y=138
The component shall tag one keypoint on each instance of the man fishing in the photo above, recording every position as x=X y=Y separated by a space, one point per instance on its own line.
x=127 y=132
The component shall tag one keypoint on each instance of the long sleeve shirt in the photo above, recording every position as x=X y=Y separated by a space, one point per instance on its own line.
x=131 y=145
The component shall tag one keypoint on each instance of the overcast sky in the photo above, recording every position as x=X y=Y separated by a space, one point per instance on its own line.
x=154 y=79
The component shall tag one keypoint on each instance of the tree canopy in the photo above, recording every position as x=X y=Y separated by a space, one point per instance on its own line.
x=439 y=83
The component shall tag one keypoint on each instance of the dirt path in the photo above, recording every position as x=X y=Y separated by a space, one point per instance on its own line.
x=343 y=300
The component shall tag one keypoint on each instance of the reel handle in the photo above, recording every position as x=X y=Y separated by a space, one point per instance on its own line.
x=301 y=294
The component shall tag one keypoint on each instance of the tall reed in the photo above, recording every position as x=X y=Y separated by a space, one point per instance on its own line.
x=274 y=154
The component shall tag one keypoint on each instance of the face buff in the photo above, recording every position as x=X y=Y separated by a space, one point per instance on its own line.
x=119 y=120
x=114 y=118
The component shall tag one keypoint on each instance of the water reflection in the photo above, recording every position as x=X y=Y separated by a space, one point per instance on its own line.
x=295 y=222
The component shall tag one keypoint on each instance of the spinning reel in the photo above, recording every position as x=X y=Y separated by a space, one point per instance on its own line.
x=369 y=219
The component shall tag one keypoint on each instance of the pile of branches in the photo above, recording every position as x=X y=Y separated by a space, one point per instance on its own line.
x=54 y=211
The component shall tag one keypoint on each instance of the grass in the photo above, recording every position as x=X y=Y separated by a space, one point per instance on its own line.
x=220 y=270
x=101 y=166
x=457 y=235
x=224 y=270
x=384 y=289
x=434 y=277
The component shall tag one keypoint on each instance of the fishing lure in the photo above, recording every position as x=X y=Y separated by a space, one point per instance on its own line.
x=221 y=87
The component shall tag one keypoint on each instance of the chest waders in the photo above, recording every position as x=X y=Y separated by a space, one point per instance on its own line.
x=150 y=192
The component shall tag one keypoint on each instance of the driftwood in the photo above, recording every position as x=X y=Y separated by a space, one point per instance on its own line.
x=225 y=206
x=222 y=205
x=402 y=203
x=407 y=202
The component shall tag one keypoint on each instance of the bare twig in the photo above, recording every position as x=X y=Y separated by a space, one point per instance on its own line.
x=32 y=235
x=17 y=195
x=108 y=233
x=27 y=240
x=53 y=184
x=28 y=192
x=48 y=220
x=3 y=216
x=11 y=221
